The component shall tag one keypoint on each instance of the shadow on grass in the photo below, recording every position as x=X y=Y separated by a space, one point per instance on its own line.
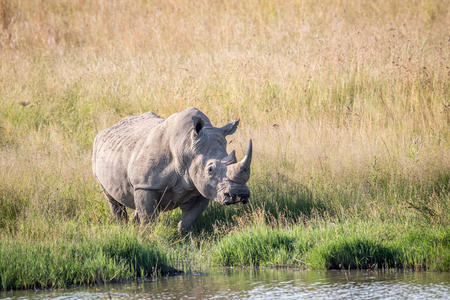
x=354 y=253
x=280 y=198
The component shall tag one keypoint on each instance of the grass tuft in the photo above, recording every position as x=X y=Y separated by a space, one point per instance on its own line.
x=85 y=257
x=365 y=245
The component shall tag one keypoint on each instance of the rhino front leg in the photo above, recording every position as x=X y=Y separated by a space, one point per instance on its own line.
x=190 y=212
x=146 y=205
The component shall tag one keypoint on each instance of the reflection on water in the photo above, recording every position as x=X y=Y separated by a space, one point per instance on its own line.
x=267 y=284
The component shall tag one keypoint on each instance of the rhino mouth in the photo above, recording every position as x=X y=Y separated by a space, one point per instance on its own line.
x=235 y=199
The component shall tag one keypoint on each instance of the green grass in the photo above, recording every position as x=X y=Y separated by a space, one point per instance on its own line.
x=81 y=256
x=347 y=245
x=347 y=106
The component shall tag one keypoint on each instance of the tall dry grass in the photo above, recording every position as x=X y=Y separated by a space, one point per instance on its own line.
x=347 y=101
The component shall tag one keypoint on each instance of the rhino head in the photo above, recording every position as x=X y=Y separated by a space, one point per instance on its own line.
x=216 y=174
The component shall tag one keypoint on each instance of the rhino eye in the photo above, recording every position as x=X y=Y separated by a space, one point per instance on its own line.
x=210 y=170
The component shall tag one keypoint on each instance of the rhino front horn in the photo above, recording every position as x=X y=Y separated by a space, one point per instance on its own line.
x=240 y=172
x=248 y=157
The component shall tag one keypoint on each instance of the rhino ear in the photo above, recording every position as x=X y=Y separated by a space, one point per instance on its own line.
x=198 y=125
x=230 y=128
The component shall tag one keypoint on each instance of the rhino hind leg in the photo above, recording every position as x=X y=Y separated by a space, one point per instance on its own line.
x=117 y=209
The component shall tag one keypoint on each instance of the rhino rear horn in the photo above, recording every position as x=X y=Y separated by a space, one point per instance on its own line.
x=240 y=172
x=229 y=159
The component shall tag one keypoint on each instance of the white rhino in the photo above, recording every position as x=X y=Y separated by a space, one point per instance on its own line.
x=152 y=164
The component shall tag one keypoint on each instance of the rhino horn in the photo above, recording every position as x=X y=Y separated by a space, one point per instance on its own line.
x=230 y=159
x=240 y=172
x=248 y=156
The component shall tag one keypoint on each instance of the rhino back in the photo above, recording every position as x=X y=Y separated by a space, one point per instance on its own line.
x=116 y=150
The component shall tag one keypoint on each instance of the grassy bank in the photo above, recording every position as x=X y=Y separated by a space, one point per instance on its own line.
x=86 y=256
x=346 y=245
x=347 y=105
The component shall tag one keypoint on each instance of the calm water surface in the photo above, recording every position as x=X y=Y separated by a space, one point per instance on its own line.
x=266 y=284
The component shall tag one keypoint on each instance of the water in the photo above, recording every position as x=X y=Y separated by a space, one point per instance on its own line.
x=266 y=284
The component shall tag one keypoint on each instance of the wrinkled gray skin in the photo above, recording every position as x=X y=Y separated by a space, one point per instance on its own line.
x=152 y=164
